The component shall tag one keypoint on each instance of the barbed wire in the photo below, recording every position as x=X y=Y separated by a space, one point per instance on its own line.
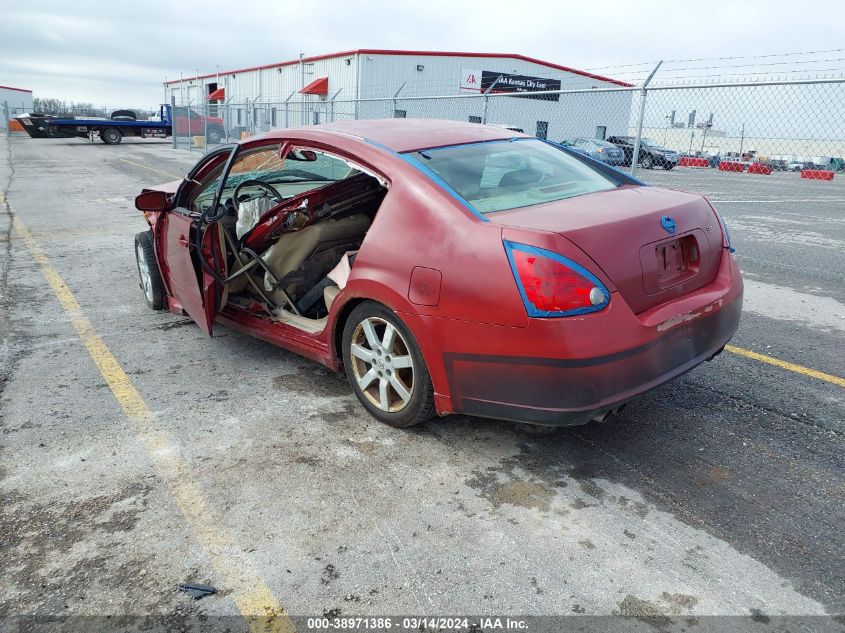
x=709 y=59
x=756 y=65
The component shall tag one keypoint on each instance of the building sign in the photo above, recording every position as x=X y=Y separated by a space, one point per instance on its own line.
x=482 y=80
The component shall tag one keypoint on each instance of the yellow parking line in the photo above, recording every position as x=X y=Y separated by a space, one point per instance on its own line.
x=158 y=171
x=798 y=369
x=254 y=600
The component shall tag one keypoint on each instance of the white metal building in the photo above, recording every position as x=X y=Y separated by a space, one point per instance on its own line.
x=371 y=83
x=17 y=100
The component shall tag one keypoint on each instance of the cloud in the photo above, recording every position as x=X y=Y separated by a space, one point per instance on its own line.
x=118 y=53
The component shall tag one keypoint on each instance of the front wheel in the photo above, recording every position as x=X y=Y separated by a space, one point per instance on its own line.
x=647 y=162
x=149 y=276
x=385 y=367
x=111 y=136
x=667 y=166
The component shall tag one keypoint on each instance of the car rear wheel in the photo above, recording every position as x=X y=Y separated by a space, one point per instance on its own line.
x=149 y=276
x=111 y=136
x=385 y=367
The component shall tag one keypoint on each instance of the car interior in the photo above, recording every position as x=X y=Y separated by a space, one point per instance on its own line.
x=289 y=229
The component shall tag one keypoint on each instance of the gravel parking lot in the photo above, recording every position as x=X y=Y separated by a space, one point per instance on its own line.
x=253 y=470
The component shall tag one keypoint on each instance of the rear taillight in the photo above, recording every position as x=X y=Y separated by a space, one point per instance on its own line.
x=552 y=285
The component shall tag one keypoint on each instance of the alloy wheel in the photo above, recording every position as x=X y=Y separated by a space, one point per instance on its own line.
x=382 y=364
x=144 y=272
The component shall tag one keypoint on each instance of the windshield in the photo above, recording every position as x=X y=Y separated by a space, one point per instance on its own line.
x=648 y=142
x=289 y=176
x=499 y=175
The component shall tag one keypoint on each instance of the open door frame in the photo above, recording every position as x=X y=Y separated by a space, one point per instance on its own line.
x=195 y=256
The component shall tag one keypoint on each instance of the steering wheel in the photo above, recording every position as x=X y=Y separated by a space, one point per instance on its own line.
x=255 y=183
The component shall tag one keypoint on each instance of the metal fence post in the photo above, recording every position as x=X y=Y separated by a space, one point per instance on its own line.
x=6 y=117
x=332 y=104
x=190 y=131
x=172 y=119
x=635 y=155
x=287 y=109
x=205 y=112
x=487 y=98
x=396 y=97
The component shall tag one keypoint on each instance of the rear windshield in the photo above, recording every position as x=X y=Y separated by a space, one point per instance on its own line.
x=500 y=175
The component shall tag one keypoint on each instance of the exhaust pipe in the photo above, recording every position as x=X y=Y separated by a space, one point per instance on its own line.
x=718 y=351
x=602 y=417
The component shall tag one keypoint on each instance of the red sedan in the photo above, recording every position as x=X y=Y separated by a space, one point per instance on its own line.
x=447 y=267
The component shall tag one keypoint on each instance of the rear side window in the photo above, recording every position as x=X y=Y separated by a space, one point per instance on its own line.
x=500 y=175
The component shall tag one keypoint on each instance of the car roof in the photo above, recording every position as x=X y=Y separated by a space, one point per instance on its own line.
x=404 y=135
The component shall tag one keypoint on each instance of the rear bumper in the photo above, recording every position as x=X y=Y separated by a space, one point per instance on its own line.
x=566 y=387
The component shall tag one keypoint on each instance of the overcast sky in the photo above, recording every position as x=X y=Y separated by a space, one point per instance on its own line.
x=118 y=53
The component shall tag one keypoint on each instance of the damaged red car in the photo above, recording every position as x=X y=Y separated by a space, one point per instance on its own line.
x=446 y=267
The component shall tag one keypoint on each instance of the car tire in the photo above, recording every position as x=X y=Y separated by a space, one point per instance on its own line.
x=215 y=135
x=668 y=166
x=400 y=394
x=149 y=276
x=111 y=136
x=647 y=162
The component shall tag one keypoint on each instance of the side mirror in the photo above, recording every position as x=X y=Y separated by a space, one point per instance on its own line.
x=151 y=201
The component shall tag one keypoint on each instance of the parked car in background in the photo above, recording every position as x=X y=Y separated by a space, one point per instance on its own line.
x=651 y=154
x=597 y=149
x=577 y=150
x=778 y=164
x=822 y=162
x=798 y=165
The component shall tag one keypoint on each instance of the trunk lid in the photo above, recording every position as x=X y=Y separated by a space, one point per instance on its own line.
x=623 y=232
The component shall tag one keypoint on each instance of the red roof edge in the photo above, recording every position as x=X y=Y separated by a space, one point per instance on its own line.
x=379 y=51
x=319 y=86
x=17 y=89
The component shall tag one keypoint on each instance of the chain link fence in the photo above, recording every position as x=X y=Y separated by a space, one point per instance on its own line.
x=769 y=155
x=8 y=111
